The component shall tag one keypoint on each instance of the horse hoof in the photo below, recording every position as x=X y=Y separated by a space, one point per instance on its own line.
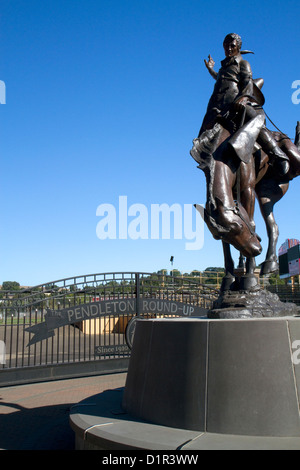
x=248 y=282
x=228 y=283
x=268 y=267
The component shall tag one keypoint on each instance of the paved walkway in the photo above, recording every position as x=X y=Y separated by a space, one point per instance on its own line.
x=36 y=416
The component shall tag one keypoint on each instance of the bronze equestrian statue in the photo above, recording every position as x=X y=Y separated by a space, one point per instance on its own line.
x=242 y=160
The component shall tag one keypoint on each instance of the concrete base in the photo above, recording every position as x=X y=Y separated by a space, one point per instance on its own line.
x=218 y=376
x=202 y=384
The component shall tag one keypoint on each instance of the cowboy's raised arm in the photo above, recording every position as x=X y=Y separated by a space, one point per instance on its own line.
x=210 y=66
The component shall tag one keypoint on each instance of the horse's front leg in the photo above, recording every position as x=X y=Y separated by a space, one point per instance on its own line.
x=250 y=266
x=229 y=278
x=249 y=280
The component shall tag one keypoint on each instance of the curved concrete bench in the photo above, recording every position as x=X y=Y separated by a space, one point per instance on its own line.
x=196 y=384
x=98 y=428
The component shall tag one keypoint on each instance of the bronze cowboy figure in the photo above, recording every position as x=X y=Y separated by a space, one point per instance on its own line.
x=242 y=160
x=236 y=93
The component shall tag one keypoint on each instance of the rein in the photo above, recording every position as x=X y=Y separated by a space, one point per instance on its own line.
x=286 y=136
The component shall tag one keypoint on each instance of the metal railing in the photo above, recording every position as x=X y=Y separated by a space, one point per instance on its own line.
x=286 y=293
x=95 y=339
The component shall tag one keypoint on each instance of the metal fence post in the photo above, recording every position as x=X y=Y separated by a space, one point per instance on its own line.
x=137 y=293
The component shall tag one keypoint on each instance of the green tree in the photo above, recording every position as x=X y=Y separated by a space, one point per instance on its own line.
x=10 y=285
x=175 y=273
x=195 y=273
x=274 y=279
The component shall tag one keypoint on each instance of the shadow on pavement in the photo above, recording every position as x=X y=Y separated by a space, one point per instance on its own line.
x=43 y=428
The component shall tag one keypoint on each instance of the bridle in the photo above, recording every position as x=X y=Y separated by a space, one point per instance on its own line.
x=236 y=210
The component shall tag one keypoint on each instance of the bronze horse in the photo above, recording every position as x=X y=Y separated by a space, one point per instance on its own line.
x=232 y=187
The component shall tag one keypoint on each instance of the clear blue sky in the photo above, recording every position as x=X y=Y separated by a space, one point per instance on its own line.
x=103 y=99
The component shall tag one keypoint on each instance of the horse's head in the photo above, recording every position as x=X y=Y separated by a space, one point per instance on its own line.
x=233 y=226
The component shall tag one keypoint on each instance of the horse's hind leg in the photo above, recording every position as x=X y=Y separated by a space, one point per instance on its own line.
x=268 y=194
x=270 y=265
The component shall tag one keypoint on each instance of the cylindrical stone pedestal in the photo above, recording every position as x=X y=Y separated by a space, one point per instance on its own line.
x=238 y=377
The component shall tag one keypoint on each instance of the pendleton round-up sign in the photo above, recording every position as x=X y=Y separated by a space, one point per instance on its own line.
x=56 y=318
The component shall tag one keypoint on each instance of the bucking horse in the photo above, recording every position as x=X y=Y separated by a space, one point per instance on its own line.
x=232 y=188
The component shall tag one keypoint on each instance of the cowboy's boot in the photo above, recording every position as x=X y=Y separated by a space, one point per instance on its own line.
x=277 y=158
